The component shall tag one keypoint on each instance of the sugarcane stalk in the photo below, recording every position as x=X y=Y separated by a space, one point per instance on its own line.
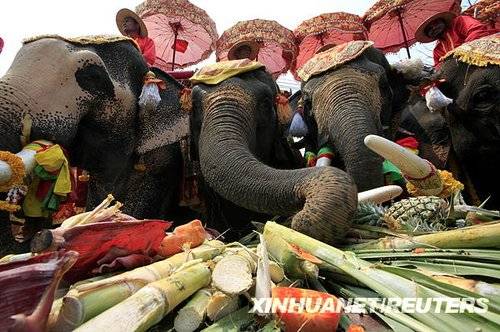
x=293 y=265
x=192 y=315
x=88 y=300
x=221 y=305
x=232 y=322
x=380 y=195
x=386 y=284
x=151 y=303
x=479 y=236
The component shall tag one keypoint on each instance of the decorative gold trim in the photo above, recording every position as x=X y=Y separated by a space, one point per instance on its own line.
x=17 y=168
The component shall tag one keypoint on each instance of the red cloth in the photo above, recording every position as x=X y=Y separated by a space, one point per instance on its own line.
x=148 y=49
x=463 y=29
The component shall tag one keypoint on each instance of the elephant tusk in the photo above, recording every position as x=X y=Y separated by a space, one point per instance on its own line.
x=29 y=162
x=380 y=195
x=420 y=172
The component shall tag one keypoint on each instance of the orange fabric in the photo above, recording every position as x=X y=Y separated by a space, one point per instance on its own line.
x=463 y=29
x=148 y=49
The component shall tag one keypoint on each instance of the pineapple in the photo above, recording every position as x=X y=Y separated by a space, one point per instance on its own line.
x=418 y=214
x=370 y=214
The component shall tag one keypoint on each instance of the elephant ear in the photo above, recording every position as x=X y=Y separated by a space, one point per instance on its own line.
x=167 y=123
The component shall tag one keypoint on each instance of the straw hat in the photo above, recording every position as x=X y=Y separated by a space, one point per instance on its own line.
x=420 y=35
x=254 y=49
x=123 y=14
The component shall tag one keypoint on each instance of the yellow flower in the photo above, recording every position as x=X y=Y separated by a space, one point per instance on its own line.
x=17 y=168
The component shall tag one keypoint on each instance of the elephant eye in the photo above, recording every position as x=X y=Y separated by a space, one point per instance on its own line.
x=95 y=80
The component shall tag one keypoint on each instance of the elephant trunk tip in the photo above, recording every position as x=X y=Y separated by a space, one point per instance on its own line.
x=330 y=205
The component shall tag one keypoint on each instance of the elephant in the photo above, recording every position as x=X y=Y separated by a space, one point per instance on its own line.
x=82 y=93
x=245 y=159
x=348 y=100
x=474 y=115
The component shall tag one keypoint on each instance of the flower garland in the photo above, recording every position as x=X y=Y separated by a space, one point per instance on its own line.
x=17 y=168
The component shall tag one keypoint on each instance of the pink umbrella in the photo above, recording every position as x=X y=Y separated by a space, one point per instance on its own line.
x=392 y=23
x=274 y=44
x=1 y=44
x=183 y=33
x=325 y=30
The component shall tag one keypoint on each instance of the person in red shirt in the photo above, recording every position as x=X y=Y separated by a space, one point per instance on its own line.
x=131 y=25
x=450 y=31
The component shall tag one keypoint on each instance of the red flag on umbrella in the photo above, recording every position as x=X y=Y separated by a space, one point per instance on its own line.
x=392 y=23
x=175 y=26
x=323 y=31
x=180 y=45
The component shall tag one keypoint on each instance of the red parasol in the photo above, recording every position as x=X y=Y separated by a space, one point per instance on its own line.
x=486 y=11
x=183 y=33
x=392 y=23
x=275 y=43
x=323 y=30
x=1 y=44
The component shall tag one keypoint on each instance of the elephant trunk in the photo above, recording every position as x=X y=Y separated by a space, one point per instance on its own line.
x=323 y=199
x=347 y=107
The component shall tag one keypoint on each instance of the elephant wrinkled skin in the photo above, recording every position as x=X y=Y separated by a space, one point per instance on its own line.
x=84 y=96
x=239 y=141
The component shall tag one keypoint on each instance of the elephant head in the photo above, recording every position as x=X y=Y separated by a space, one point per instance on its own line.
x=472 y=74
x=83 y=93
x=236 y=131
x=349 y=92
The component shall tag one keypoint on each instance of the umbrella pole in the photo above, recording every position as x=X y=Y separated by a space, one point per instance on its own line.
x=175 y=48
x=400 y=19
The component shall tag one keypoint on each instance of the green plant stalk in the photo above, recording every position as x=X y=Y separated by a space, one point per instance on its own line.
x=232 y=322
x=192 y=315
x=399 y=317
x=88 y=300
x=151 y=303
x=464 y=254
x=449 y=268
x=386 y=284
x=480 y=236
x=294 y=266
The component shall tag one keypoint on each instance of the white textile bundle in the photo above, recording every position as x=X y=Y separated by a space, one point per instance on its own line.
x=150 y=97
x=436 y=100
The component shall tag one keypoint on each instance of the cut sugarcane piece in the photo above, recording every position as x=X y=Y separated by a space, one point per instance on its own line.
x=293 y=265
x=151 y=303
x=276 y=271
x=420 y=172
x=88 y=300
x=233 y=275
x=380 y=195
x=192 y=315
x=221 y=305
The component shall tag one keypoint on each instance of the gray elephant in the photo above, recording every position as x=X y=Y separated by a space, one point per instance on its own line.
x=242 y=152
x=83 y=94
x=472 y=80
x=349 y=92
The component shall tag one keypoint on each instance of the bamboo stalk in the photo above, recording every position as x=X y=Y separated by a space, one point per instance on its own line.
x=192 y=315
x=480 y=236
x=88 y=300
x=151 y=303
